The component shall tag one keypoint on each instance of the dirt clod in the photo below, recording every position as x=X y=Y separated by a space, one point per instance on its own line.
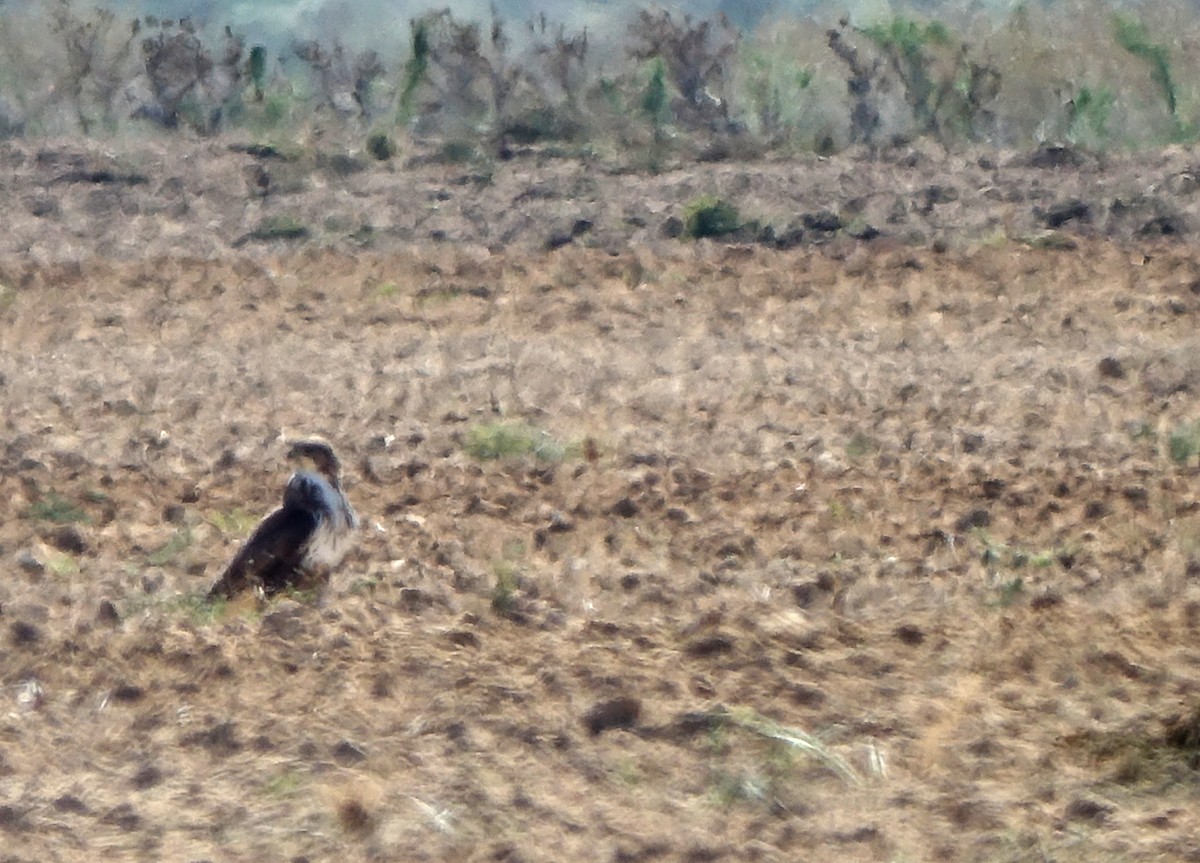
x=613 y=713
x=625 y=508
x=1084 y=809
x=107 y=614
x=1111 y=367
x=22 y=634
x=71 y=804
x=973 y=519
x=147 y=776
x=221 y=738
x=353 y=816
x=710 y=645
x=128 y=693
x=70 y=539
x=349 y=753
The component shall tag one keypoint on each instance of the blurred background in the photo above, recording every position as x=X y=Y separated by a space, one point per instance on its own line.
x=756 y=77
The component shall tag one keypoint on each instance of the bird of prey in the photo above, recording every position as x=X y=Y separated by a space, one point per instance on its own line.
x=297 y=545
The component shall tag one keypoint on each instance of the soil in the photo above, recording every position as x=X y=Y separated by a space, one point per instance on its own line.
x=865 y=549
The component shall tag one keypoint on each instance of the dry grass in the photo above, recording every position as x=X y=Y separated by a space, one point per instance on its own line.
x=730 y=547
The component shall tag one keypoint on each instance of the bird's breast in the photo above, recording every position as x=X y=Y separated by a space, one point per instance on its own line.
x=330 y=541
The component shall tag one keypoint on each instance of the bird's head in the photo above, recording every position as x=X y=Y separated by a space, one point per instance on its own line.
x=317 y=455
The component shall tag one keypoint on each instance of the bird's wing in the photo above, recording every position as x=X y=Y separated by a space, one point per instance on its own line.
x=272 y=554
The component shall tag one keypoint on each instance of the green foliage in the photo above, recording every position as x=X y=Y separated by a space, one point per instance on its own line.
x=285 y=784
x=701 y=76
x=277 y=108
x=236 y=522
x=1088 y=115
x=907 y=37
x=456 y=152
x=861 y=445
x=1132 y=36
x=907 y=44
x=502 y=440
x=302 y=595
x=654 y=97
x=505 y=590
x=709 y=216
x=541 y=123
x=256 y=67
x=1184 y=442
x=195 y=606
x=172 y=548
x=774 y=85
x=62 y=565
x=1009 y=592
x=417 y=68
x=996 y=556
x=56 y=509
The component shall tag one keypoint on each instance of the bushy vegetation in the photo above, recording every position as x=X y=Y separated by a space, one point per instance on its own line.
x=710 y=217
x=674 y=88
x=56 y=509
x=503 y=440
x=1184 y=442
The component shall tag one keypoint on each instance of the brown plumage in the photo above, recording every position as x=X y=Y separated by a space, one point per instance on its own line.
x=298 y=545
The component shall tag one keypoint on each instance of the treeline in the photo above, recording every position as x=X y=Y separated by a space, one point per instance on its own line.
x=676 y=86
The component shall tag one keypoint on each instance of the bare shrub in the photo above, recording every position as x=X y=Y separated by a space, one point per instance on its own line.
x=948 y=94
x=864 y=111
x=696 y=56
x=346 y=80
x=97 y=54
x=461 y=77
x=187 y=83
x=470 y=78
x=562 y=60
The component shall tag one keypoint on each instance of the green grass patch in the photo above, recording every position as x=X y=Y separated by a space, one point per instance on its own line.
x=1088 y=115
x=861 y=445
x=458 y=152
x=506 y=589
x=287 y=783
x=1050 y=240
x=504 y=440
x=365 y=585
x=1008 y=592
x=235 y=522
x=62 y=565
x=1131 y=34
x=170 y=550
x=997 y=555
x=55 y=508
x=194 y=606
x=1184 y=443
x=302 y=595
x=1141 y=430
